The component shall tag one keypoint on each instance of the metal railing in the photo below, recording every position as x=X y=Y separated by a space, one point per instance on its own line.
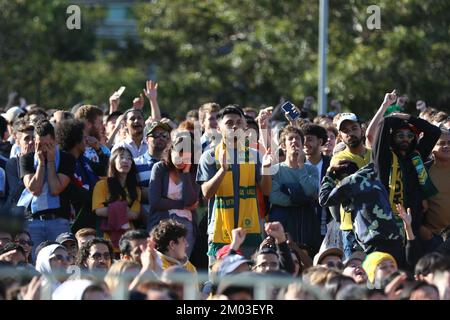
x=263 y=286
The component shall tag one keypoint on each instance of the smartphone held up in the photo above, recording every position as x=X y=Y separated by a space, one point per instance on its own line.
x=291 y=110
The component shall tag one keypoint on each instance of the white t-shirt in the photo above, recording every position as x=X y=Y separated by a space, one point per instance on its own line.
x=175 y=192
x=319 y=169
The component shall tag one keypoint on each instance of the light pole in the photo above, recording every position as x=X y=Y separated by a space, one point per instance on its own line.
x=323 y=39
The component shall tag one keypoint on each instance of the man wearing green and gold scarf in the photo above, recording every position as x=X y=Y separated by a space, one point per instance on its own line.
x=229 y=174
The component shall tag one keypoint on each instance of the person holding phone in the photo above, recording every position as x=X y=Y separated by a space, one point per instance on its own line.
x=294 y=191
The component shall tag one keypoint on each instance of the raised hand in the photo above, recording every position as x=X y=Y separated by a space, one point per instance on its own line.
x=93 y=142
x=238 y=237
x=114 y=102
x=138 y=103
x=405 y=215
x=33 y=290
x=50 y=152
x=342 y=164
x=267 y=158
x=275 y=230
x=391 y=289
x=151 y=90
x=300 y=157
x=223 y=160
x=292 y=122
x=390 y=98
x=263 y=117
x=149 y=256
x=40 y=151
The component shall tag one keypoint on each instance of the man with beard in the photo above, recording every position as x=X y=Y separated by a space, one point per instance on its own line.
x=351 y=134
x=96 y=255
x=158 y=137
x=398 y=156
x=92 y=116
x=315 y=138
x=135 y=142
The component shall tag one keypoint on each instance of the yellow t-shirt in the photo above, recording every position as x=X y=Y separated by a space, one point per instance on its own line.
x=361 y=161
x=100 y=196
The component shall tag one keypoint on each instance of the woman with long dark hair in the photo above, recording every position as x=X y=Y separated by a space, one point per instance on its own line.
x=116 y=199
x=173 y=192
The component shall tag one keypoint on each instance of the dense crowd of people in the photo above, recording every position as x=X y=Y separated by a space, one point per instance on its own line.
x=98 y=205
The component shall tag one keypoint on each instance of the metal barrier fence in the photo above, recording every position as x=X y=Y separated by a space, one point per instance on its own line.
x=263 y=286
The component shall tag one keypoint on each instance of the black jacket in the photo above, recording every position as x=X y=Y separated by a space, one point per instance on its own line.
x=382 y=158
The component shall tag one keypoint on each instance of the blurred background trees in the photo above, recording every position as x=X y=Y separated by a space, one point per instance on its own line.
x=251 y=53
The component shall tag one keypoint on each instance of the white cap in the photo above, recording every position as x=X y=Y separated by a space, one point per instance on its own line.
x=332 y=251
x=346 y=116
x=12 y=114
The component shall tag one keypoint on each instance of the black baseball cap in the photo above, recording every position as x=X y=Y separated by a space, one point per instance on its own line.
x=230 y=109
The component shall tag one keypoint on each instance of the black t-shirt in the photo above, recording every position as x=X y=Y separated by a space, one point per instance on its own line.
x=66 y=167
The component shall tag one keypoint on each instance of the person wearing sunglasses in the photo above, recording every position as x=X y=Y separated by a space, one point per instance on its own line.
x=23 y=239
x=52 y=262
x=5 y=238
x=95 y=255
x=401 y=143
x=157 y=136
x=330 y=258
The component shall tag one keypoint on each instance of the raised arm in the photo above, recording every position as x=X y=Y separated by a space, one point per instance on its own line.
x=264 y=127
x=57 y=182
x=431 y=135
x=112 y=137
x=35 y=182
x=265 y=184
x=151 y=92
x=114 y=102
x=371 y=131
x=209 y=188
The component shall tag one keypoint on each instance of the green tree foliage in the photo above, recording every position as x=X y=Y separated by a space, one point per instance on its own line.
x=56 y=67
x=254 y=52
x=247 y=52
